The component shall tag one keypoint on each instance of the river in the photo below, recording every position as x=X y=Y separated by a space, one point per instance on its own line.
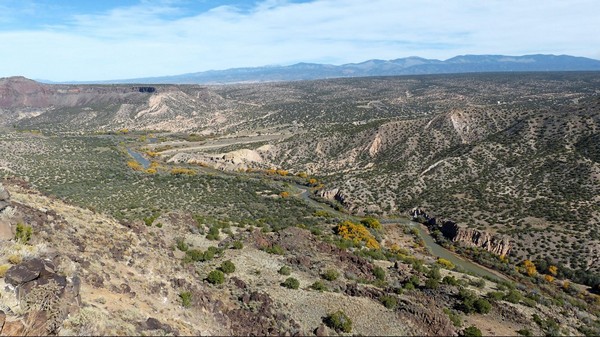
x=139 y=158
x=434 y=248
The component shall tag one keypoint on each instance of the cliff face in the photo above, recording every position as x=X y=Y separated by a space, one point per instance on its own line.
x=469 y=236
x=473 y=237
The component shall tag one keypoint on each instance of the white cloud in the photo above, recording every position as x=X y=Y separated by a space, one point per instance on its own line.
x=149 y=40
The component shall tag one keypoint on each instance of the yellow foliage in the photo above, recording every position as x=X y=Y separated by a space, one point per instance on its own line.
x=271 y=171
x=566 y=285
x=284 y=194
x=549 y=278
x=282 y=172
x=151 y=171
x=357 y=233
x=181 y=170
x=445 y=263
x=312 y=181
x=3 y=269
x=134 y=165
x=124 y=131
x=553 y=270
x=152 y=154
x=529 y=268
x=302 y=175
x=15 y=259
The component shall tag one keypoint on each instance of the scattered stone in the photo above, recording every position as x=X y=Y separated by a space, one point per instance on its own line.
x=321 y=330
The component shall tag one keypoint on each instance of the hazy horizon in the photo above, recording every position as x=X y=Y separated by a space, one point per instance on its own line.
x=61 y=41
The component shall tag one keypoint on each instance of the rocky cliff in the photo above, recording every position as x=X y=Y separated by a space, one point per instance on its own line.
x=468 y=236
x=477 y=238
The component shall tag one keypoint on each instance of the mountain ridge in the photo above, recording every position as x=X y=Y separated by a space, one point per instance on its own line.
x=412 y=65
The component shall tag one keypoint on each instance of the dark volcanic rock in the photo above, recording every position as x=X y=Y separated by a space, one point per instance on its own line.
x=20 y=274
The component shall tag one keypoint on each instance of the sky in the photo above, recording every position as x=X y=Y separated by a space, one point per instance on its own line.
x=72 y=40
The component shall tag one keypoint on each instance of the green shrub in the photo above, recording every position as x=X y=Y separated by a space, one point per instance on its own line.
x=388 y=301
x=186 y=299
x=213 y=233
x=195 y=254
x=319 y=286
x=238 y=245
x=513 y=296
x=471 y=331
x=495 y=296
x=479 y=283
x=482 y=306
x=23 y=233
x=434 y=273
x=216 y=277
x=227 y=267
x=291 y=283
x=450 y=280
x=432 y=283
x=454 y=317
x=379 y=273
x=330 y=275
x=339 y=321
x=525 y=332
x=409 y=286
x=181 y=245
x=275 y=249
x=285 y=270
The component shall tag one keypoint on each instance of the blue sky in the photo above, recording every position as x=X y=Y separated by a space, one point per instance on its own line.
x=64 y=40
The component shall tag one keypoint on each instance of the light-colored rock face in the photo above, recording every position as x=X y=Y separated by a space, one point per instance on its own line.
x=4 y=198
x=473 y=237
x=229 y=161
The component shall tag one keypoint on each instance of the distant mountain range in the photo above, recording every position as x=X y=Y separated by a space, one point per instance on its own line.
x=402 y=66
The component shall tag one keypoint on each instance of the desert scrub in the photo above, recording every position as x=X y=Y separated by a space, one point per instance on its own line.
x=186 y=299
x=181 y=245
x=330 y=275
x=285 y=270
x=237 y=245
x=23 y=233
x=471 y=331
x=454 y=317
x=176 y=171
x=318 y=286
x=216 y=277
x=3 y=269
x=275 y=249
x=472 y=303
x=227 y=267
x=15 y=259
x=291 y=283
x=339 y=321
x=379 y=273
x=389 y=301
